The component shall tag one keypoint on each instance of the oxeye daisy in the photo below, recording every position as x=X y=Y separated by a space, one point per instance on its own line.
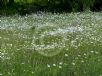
x=48 y=66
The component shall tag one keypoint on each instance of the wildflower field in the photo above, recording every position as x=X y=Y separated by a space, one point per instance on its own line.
x=46 y=44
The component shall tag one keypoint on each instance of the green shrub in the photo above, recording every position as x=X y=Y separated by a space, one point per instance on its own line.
x=51 y=5
x=87 y=4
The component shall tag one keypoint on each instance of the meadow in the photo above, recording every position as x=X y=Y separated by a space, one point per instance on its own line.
x=46 y=44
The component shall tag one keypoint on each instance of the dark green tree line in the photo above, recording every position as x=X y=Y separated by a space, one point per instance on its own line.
x=24 y=6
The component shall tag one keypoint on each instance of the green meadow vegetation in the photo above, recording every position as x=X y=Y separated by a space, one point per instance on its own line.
x=50 y=37
x=47 y=44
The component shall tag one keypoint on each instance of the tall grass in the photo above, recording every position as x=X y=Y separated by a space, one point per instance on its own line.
x=24 y=44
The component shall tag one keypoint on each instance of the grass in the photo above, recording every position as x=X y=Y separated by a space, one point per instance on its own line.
x=48 y=44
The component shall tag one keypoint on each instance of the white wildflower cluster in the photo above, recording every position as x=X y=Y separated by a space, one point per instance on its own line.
x=59 y=65
x=4 y=55
x=57 y=38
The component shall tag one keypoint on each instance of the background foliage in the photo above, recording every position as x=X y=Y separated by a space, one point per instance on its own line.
x=28 y=6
